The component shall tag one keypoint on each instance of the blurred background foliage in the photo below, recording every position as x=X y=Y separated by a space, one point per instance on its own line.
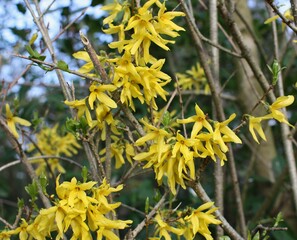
x=36 y=94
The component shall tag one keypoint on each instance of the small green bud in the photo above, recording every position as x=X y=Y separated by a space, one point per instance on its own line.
x=147 y=205
x=33 y=38
x=84 y=173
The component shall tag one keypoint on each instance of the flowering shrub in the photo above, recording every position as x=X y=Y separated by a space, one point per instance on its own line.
x=121 y=83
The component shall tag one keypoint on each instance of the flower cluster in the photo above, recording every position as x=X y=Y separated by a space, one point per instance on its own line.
x=136 y=71
x=273 y=113
x=187 y=224
x=194 y=79
x=81 y=208
x=173 y=155
x=50 y=142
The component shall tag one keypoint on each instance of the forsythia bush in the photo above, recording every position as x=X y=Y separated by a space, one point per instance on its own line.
x=85 y=210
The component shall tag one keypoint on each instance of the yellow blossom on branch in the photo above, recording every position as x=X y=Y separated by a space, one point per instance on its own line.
x=255 y=125
x=82 y=109
x=199 y=220
x=280 y=102
x=164 y=229
x=222 y=133
x=89 y=66
x=200 y=121
x=97 y=91
x=13 y=120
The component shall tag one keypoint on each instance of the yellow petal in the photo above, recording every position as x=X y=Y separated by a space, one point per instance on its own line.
x=271 y=19
x=21 y=121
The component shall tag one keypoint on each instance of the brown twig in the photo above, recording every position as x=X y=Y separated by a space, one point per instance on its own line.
x=97 y=65
x=13 y=163
x=55 y=66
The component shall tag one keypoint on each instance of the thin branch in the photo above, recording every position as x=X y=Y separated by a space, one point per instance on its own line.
x=16 y=162
x=285 y=130
x=94 y=58
x=55 y=66
x=108 y=167
x=180 y=99
x=260 y=227
x=133 y=233
x=6 y=223
x=294 y=10
x=218 y=170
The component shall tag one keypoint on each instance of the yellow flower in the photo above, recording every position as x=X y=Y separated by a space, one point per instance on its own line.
x=164 y=229
x=200 y=121
x=153 y=80
x=279 y=103
x=73 y=191
x=199 y=221
x=182 y=151
x=13 y=120
x=255 y=124
x=153 y=133
x=82 y=109
x=127 y=77
x=117 y=152
x=229 y=135
x=97 y=92
x=89 y=66
x=164 y=25
x=116 y=8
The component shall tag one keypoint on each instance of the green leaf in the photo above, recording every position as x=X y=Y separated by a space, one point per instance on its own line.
x=224 y=238
x=62 y=65
x=33 y=53
x=166 y=119
x=72 y=125
x=21 y=7
x=32 y=190
x=43 y=182
x=257 y=236
x=21 y=203
x=278 y=219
